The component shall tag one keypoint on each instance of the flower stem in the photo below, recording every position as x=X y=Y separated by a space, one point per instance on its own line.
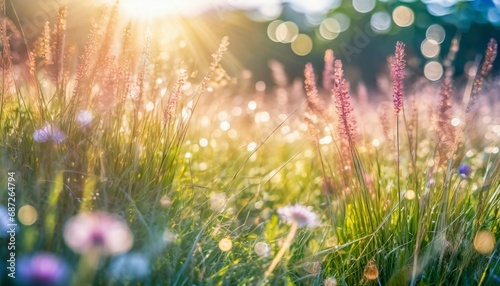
x=397 y=166
x=283 y=249
x=87 y=268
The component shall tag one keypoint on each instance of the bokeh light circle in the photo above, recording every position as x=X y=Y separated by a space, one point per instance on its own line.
x=330 y=29
x=225 y=244
x=430 y=48
x=403 y=16
x=433 y=70
x=302 y=45
x=380 y=22
x=287 y=32
x=343 y=20
x=27 y=215
x=271 y=30
x=484 y=242
x=363 y=6
x=436 y=33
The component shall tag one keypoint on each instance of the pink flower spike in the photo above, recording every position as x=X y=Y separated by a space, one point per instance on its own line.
x=398 y=64
x=311 y=91
x=340 y=90
x=328 y=70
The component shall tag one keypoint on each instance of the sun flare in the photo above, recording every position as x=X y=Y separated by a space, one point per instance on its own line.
x=147 y=9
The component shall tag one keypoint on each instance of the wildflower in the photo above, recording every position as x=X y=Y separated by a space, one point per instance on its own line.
x=489 y=57
x=165 y=201
x=4 y=221
x=371 y=270
x=382 y=110
x=347 y=122
x=445 y=131
x=262 y=249
x=84 y=118
x=43 y=269
x=398 y=64
x=328 y=70
x=218 y=201
x=129 y=266
x=331 y=281
x=49 y=133
x=100 y=231
x=431 y=182
x=298 y=214
x=311 y=91
x=464 y=171
x=174 y=97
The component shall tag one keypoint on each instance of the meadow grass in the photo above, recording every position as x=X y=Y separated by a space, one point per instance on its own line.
x=198 y=172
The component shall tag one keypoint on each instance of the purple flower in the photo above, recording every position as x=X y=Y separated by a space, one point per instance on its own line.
x=298 y=214
x=47 y=133
x=84 y=118
x=464 y=171
x=101 y=231
x=4 y=221
x=43 y=269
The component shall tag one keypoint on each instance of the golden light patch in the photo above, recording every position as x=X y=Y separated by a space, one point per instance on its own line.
x=484 y=242
x=225 y=244
x=27 y=215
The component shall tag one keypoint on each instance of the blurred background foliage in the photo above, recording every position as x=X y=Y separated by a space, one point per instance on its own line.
x=361 y=32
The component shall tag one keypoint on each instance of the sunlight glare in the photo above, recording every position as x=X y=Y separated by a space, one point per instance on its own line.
x=145 y=9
